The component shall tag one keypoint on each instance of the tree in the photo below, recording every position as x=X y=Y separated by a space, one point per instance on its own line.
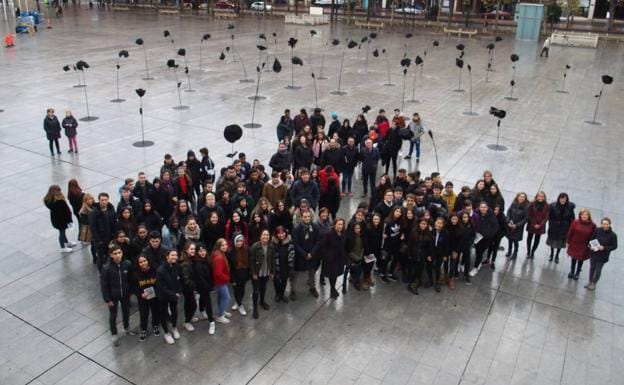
x=497 y=5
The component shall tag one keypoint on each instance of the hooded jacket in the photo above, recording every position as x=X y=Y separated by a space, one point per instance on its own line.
x=309 y=191
x=115 y=280
x=168 y=282
x=102 y=224
x=280 y=161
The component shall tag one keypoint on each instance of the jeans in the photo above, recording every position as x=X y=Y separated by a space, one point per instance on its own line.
x=347 y=179
x=205 y=304
x=190 y=305
x=145 y=306
x=414 y=144
x=367 y=269
x=62 y=238
x=356 y=272
x=167 y=307
x=53 y=142
x=595 y=270
x=125 y=313
x=73 y=145
x=369 y=178
x=223 y=299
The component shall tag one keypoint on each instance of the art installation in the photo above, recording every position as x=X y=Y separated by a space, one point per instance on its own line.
x=499 y=115
x=514 y=58
x=490 y=47
x=81 y=66
x=350 y=45
x=312 y=34
x=122 y=54
x=371 y=37
x=459 y=62
x=182 y=52
x=232 y=133
x=166 y=34
x=67 y=68
x=255 y=98
x=334 y=43
x=201 y=44
x=143 y=142
x=315 y=91
x=389 y=84
x=435 y=150
x=470 y=112
x=606 y=80
x=405 y=63
x=565 y=75
x=174 y=66
x=292 y=42
x=418 y=62
x=140 y=43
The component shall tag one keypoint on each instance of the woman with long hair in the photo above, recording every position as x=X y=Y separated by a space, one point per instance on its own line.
x=75 y=196
x=466 y=244
x=203 y=281
x=536 y=224
x=420 y=248
x=235 y=225
x=213 y=230
x=255 y=227
x=356 y=244
x=372 y=249
x=517 y=216
x=262 y=264
x=335 y=255
x=126 y=222
x=560 y=217
x=238 y=258
x=221 y=278
x=60 y=216
x=391 y=244
x=84 y=234
x=456 y=232
x=145 y=279
x=578 y=237
x=284 y=262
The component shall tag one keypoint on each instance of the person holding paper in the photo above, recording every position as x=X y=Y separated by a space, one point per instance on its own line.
x=603 y=241
x=145 y=279
x=579 y=235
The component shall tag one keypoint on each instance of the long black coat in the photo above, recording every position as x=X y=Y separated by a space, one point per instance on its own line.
x=52 y=127
x=518 y=214
x=60 y=214
x=304 y=245
x=559 y=220
x=334 y=255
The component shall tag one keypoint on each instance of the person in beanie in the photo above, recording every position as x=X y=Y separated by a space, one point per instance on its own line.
x=238 y=259
x=334 y=126
x=115 y=285
x=70 y=124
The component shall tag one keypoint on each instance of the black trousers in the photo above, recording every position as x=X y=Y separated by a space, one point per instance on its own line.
x=102 y=255
x=205 y=304
x=450 y=265
x=595 y=270
x=466 y=260
x=165 y=308
x=190 y=305
x=530 y=237
x=52 y=143
x=145 y=306
x=368 y=179
x=368 y=268
x=493 y=248
x=241 y=276
x=279 y=283
x=414 y=271
x=480 y=248
x=125 y=313
x=433 y=268
x=392 y=158
x=259 y=290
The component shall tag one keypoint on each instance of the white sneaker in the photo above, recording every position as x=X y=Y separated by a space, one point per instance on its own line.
x=241 y=310
x=473 y=272
x=169 y=339
x=235 y=306
x=203 y=316
x=115 y=339
x=71 y=244
x=176 y=333
x=211 y=328
x=227 y=314
x=194 y=319
x=188 y=327
x=222 y=320
x=66 y=250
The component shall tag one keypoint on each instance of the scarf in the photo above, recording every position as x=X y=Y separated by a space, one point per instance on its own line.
x=191 y=234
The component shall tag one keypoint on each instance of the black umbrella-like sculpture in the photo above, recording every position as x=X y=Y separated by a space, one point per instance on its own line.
x=407 y=37
x=67 y=69
x=387 y=54
x=292 y=42
x=490 y=47
x=140 y=43
x=514 y=59
x=334 y=42
x=499 y=115
x=606 y=80
x=232 y=133
x=315 y=91
x=405 y=63
x=312 y=34
x=143 y=143
x=261 y=65
x=565 y=75
x=201 y=44
x=122 y=54
x=350 y=44
x=418 y=62
x=167 y=34
x=81 y=66
x=371 y=36
x=182 y=52
x=470 y=112
x=171 y=64
x=255 y=98
x=460 y=64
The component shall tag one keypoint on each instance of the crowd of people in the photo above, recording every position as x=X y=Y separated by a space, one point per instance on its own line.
x=194 y=229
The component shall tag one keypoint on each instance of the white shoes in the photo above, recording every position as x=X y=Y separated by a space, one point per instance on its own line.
x=194 y=319
x=176 y=333
x=235 y=306
x=71 y=244
x=115 y=339
x=473 y=272
x=227 y=314
x=211 y=328
x=169 y=339
x=222 y=320
x=241 y=310
x=66 y=250
x=188 y=327
x=203 y=316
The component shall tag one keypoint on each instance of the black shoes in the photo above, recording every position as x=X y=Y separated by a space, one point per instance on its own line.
x=265 y=305
x=428 y=284
x=412 y=289
x=314 y=292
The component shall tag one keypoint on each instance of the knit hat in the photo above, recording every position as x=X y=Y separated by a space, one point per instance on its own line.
x=334 y=115
x=239 y=237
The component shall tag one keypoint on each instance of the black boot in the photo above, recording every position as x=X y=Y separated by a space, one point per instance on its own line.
x=255 y=305
x=550 y=257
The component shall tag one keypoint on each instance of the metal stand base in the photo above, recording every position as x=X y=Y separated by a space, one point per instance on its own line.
x=143 y=143
x=88 y=118
x=459 y=90
x=562 y=91
x=594 y=123
x=390 y=85
x=148 y=78
x=190 y=90
x=415 y=101
x=470 y=113
x=511 y=98
x=259 y=97
x=118 y=100
x=322 y=78
x=289 y=87
x=181 y=108
x=79 y=86
x=497 y=147
x=338 y=93
x=246 y=81
x=252 y=125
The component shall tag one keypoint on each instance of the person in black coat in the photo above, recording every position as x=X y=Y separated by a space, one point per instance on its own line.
x=52 y=128
x=60 y=215
x=304 y=188
x=281 y=160
x=70 y=124
x=102 y=221
x=115 y=281
x=150 y=217
x=284 y=263
x=440 y=252
x=369 y=156
x=138 y=243
x=144 y=280
x=502 y=225
x=161 y=200
x=330 y=198
x=335 y=254
x=334 y=126
x=280 y=216
x=486 y=226
x=607 y=242
x=465 y=244
x=193 y=167
x=350 y=158
x=390 y=149
x=303 y=155
x=420 y=249
x=169 y=290
x=560 y=217
x=317 y=121
x=517 y=216
x=332 y=157
x=307 y=241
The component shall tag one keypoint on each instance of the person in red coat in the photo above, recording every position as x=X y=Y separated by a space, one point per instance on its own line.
x=579 y=234
x=536 y=224
x=221 y=278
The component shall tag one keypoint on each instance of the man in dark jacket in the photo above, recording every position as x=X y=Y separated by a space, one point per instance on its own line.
x=161 y=200
x=307 y=241
x=332 y=157
x=128 y=200
x=281 y=160
x=102 y=222
x=285 y=127
x=168 y=290
x=254 y=185
x=52 y=128
x=350 y=158
x=155 y=252
x=143 y=189
x=193 y=167
x=301 y=121
x=317 y=121
x=304 y=188
x=115 y=285
x=207 y=167
x=370 y=158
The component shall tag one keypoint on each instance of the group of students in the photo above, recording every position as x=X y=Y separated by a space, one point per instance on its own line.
x=194 y=230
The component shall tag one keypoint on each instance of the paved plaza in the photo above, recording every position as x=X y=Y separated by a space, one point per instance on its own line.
x=525 y=323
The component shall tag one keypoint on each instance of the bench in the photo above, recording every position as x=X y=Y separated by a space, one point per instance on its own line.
x=120 y=9
x=460 y=31
x=574 y=39
x=369 y=24
x=168 y=11
x=225 y=15
x=305 y=19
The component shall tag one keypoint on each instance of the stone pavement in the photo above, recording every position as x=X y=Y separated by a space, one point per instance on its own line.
x=526 y=323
